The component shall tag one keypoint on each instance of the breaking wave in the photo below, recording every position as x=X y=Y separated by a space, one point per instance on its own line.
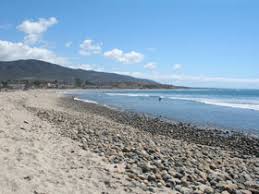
x=226 y=102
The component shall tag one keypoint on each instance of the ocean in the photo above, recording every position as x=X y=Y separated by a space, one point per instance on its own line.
x=234 y=109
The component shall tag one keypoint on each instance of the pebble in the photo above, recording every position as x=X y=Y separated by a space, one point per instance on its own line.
x=160 y=154
x=243 y=192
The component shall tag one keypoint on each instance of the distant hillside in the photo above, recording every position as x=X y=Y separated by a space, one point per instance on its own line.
x=35 y=69
x=41 y=70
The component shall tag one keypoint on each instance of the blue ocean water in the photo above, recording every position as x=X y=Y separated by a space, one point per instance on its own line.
x=235 y=109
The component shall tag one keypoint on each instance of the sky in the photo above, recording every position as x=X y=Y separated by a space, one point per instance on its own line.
x=197 y=43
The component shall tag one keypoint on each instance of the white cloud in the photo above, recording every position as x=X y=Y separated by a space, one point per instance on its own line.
x=201 y=81
x=68 y=44
x=133 y=74
x=35 y=29
x=88 y=47
x=18 y=50
x=127 y=58
x=150 y=66
x=177 y=66
x=86 y=66
x=216 y=79
x=93 y=67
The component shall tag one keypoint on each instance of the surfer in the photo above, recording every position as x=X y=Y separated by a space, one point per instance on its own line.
x=159 y=99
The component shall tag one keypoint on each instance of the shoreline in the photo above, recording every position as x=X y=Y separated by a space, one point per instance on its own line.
x=172 y=121
x=87 y=148
x=244 y=120
x=225 y=138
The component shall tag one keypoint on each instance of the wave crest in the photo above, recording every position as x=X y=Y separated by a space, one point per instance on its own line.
x=247 y=104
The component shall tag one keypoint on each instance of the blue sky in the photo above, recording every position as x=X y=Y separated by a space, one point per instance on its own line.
x=195 y=43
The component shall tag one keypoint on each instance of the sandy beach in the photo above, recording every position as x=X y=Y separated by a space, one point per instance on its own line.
x=53 y=144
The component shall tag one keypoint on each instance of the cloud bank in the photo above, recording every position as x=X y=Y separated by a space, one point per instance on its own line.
x=150 y=66
x=126 y=58
x=35 y=29
x=89 y=47
x=14 y=51
x=200 y=81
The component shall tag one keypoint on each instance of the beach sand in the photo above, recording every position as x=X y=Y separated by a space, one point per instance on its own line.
x=51 y=144
x=35 y=158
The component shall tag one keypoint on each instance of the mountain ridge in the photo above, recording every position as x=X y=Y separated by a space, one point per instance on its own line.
x=31 y=69
x=37 y=69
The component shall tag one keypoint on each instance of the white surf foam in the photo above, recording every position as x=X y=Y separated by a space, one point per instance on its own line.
x=220 y=102
x=128 y=94
x=94 y=102
x=243 y=104
x=86 y=100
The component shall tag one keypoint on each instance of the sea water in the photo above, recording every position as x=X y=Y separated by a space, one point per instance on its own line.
x=235 y=109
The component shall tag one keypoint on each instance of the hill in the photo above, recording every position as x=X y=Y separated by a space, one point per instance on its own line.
x=41 y=70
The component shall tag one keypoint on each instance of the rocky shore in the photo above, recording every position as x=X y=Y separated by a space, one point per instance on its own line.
x=239 y=143
x=158 y=156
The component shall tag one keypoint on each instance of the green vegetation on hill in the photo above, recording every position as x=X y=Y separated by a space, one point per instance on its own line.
x=37 y=72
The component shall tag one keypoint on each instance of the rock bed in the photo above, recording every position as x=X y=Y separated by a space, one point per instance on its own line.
x=154 y=161
x=240 y=144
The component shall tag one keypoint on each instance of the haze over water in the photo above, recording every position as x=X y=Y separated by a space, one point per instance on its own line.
x=236 y=109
